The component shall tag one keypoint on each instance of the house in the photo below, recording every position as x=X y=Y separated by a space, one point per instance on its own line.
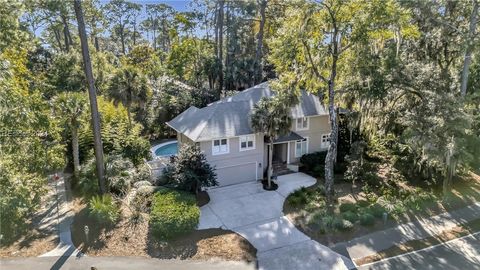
x=224 y=134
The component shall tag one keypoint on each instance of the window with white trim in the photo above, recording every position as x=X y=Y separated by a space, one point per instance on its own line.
x=301 y=147
x=302 y=123
x=325 y=141
x=220 y=146
x=247 y=142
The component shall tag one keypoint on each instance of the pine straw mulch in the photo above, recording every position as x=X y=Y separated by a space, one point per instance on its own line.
x=128 y=239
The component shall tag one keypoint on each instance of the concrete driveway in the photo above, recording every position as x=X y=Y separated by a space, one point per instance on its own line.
x=256 y=214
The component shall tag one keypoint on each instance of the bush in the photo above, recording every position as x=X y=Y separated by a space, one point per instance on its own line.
x=143 y=198
x=119 y=173
x=367 y=219
x=342 y=225
x=173 y=213
x=346 y=207
x=363 y=203
x=350 y=216
x=376 y=210
x=310 y=161
x=141 y=184
x=190 y=170
x=319 y=171
x=87 y=179
x=297 y=198
x=143 y=174
x=104 y=209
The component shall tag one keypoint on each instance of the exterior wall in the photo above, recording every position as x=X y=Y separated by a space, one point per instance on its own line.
x=181 y=139
x=237 y=157
x=318 y=125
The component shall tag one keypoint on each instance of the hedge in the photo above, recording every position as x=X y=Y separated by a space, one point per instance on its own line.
x=173 y=213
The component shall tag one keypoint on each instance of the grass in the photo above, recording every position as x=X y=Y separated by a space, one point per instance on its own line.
x=413 y=245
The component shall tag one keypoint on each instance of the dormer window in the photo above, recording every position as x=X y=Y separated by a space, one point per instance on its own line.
x=302 y=123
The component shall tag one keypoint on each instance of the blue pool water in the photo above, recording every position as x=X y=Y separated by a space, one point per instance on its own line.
x=167 y=150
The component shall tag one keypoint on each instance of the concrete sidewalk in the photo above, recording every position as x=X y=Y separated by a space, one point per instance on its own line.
x=61 y=219
x=373 y=243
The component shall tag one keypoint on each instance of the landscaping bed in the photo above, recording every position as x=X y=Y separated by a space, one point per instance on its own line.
x=137 y=237
x=306 y=208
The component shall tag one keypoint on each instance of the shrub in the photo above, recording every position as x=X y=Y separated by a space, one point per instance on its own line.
x=297 y=198
x=310 y=161
x=142 y=184
x=320 y=190
x=104 y=209
x=350 y=216
x=342 y=225
x=318 y=171
x=328 y=222
x=119 y=173
x=367 y=219
x=345 y=207
x=173 y=213
x=376 y=210
x=143 y=174
x=87 y=179
x=190 y=170
x=363 y=203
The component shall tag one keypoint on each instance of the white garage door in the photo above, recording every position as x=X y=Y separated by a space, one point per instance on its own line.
x=235 y=174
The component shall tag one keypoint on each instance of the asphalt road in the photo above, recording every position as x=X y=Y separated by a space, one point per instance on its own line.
x=459 y=254
x=116 y=263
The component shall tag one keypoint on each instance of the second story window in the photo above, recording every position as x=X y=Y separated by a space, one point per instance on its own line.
x=247 y=142
x=325 y=141
x=220 y=147
x=302 y=123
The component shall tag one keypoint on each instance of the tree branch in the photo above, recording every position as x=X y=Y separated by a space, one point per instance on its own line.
x=310 y=59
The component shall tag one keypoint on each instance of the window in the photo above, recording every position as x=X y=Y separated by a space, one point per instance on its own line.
x=301 y=147
x=302 y=123
x=220 y=147
x=247 y=142
x=325 y=141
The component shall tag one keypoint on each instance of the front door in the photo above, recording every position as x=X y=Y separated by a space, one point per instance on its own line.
x=280 y=153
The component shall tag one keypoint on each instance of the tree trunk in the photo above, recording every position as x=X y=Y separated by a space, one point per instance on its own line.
x=270 y=164
x=257 y=70
x=332 y=149
x=122 y=38
x=154 y=36
x=220 y=45
x=129 y=116
x=92 y=96
x=75 y=152
x=97 y=45
x=66 y=34
x=468 y=52
x=58 y=39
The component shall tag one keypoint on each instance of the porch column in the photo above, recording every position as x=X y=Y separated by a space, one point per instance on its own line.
x=288 y=152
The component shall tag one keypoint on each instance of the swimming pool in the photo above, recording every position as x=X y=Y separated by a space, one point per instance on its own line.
x=165 y=149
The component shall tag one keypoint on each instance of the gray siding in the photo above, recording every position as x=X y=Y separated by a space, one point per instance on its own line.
x=318 y=125
x=236 y=161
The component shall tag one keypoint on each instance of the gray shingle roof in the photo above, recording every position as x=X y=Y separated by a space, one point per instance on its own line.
x=230 y=117
x=292 y=136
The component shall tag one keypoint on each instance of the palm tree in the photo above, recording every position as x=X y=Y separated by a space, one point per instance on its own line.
x=71 y=105
x=129 y=86
x=272 y=118
x=97 y=137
